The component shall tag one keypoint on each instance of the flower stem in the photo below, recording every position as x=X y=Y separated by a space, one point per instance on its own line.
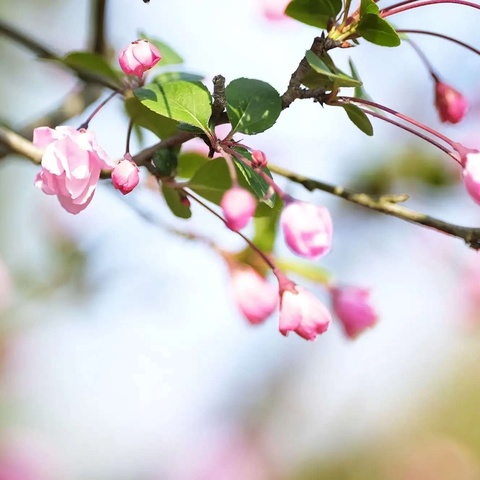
x=84 y=125
x=411 y=4
x=413 y=131
x=257 y=250
x=401 y=116
x=129 y=134
x=441 y=35
x=424 y=59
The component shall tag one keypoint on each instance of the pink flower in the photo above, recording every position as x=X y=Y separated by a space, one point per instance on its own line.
x=138 y=57
x=71 y=165
x=451 y=104
x=471 y=175
x=238 y=207
x=354 y=310
x=307 y=229
x=125 y=176
x=302 y=313
x=255 y=297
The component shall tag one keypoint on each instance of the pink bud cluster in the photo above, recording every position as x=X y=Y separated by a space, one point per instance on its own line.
x=72 y=160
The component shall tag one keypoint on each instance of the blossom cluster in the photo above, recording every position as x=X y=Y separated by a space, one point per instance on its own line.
x=73 y=162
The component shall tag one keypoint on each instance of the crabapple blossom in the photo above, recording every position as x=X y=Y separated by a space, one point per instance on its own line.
x=307 y=229
x=138 y=57
x=238 y=207
x=256 y=298
x=353 y=308
x=303 y=313
x=451 y=104
x=471 y=175
x=125 y=176
x=71 y=165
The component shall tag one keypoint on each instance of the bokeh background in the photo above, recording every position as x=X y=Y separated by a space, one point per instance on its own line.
x=122 y=355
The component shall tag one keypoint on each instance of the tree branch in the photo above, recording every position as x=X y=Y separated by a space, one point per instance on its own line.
x=387 y=204
x=16 y=143
x=99 y=44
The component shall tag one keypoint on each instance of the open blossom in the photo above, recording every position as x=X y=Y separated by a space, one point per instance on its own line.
x=354 y=310
x=138 y=57
x=303 y=313
x=71 y=164
x=256 y=298
x=125 y=176
x=471 y=175
x=238 y=207
x=307 y=229
x=451 y=104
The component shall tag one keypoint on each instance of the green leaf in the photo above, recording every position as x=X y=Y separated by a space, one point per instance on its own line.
x=161 y=126
x=252 y=180
x=359 y=118
x=188 y=102
x=174 y=76
x=189 y=163
x=377 y=30
x=253 y=106
x=212 y=180
x=359 y=91
x=169 y=55
x=316 y=13
x=165 y=161
x=174 y=202
x=308 y=271
x=92 y=64
x=368 y=7
x=339 y=79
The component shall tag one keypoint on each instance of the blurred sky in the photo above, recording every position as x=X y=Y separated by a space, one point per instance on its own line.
x=154 y=361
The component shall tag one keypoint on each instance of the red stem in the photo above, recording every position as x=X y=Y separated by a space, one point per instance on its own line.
x=411 y=4
x=441 y=35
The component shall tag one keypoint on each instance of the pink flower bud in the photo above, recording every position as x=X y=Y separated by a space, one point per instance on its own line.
x=471 y=175
x=238 y=207
x=307 y=229
x=451 y=104
x=353 y=309
x=138 y=57
x=125 y=176
x=259 y=159
x=256 y=298
x=71 y=165
x=302 y=313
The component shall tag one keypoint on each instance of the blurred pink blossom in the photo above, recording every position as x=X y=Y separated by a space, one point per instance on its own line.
x=471 y=175
x=256 y=298
x=274 y=10
x=26 y=455
x=354 y=310
x=238 y=207
x=451 y=104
